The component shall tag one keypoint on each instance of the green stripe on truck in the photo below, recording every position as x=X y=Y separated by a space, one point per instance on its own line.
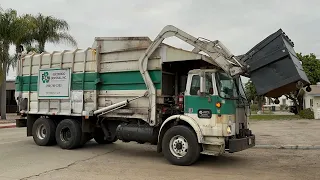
x=196 y=103
x=131 y=80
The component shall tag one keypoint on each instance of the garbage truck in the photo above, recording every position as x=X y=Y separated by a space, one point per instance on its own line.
x=133 y=89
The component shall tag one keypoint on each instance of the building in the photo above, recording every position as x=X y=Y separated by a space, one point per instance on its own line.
x=283 y=101
x=312 y=100
x=10 y=102
x=277 y=107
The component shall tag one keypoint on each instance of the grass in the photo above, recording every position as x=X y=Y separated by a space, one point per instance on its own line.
x=265 y=112
x=274 y=117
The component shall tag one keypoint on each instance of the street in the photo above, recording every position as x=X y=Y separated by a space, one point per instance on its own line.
x=20 y=158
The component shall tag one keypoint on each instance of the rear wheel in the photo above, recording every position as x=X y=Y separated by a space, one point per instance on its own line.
x=180 y=146
x=43 y=132
x=99 y=137
x=68 y=134
x=85 y=138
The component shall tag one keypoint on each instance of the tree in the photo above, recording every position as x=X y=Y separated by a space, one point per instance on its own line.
x=31 y=48
x=252 y=95
x=297 y=98
x=9 y=31
x=50 y=29
x=24 y=26
x=311 y=66
x=250 y=90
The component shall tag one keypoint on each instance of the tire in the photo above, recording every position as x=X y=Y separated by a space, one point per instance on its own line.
x=69 y=134
x=180 y=138
x=43 y=132
x=99 y=137
x=85 y=138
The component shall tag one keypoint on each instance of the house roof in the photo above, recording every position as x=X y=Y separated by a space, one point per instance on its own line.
x=315 y=90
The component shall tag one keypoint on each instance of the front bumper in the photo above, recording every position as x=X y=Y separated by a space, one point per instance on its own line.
x=236 y=145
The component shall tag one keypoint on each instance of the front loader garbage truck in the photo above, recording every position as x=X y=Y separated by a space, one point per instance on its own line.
x=186 y=103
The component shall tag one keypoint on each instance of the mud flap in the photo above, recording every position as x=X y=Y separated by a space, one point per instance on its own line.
x=21 y=122
x=274 y=67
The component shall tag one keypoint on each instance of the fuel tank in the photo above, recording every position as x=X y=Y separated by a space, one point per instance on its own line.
x=274 y=67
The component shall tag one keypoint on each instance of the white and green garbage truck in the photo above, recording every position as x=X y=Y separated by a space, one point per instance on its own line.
x=186 y=103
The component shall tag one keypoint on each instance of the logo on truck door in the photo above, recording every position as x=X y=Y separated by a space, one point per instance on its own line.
x=45 y=77
x=204 y=113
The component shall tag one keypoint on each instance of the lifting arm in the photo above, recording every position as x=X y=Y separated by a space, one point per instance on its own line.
x=219 y=54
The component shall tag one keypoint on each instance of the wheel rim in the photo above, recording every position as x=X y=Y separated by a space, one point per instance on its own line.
x=178 y=146
x=65 y=134
x=41 y=132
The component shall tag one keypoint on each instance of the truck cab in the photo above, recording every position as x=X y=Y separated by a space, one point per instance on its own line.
x=218 y=104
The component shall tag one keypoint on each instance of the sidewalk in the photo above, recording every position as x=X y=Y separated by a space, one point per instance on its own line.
x=7 y=125
x=10 y=122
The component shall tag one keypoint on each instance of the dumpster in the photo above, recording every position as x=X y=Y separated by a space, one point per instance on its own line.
x=274 y=67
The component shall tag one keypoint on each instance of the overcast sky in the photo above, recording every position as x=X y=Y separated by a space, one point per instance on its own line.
x=239 y=24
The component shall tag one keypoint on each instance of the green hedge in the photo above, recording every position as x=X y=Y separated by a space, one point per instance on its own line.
x=306 y=114
x=254 y=107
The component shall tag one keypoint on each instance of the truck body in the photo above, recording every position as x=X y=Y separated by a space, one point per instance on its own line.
x=135 y=89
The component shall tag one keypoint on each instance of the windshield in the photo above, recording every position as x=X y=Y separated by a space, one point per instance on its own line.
x=242 y=93
x=226 y=86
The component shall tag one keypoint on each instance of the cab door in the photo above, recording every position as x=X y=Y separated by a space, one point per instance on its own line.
x=201 y=105
x=204 y=105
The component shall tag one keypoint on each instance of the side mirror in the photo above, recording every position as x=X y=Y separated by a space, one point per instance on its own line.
x=202 y=83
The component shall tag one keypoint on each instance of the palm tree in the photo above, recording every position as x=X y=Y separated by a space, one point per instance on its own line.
x=24 y=31
x=51 y=29
x=25 y=28
x=8 y=33
x=14 y=30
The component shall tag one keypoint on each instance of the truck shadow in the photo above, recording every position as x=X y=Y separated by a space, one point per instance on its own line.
x=223 y=160
x=149 y=153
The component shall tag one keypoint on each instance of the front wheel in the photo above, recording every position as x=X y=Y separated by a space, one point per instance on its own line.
x=180 y=146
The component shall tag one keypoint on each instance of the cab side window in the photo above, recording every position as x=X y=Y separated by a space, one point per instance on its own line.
x=195 y=85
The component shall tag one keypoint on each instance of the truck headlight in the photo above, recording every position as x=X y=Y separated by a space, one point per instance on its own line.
x=229 y=131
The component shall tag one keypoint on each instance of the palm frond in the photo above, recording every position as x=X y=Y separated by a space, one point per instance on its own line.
x=32 y=48
x=51 y=29
x=64 y=38
x=12 y=62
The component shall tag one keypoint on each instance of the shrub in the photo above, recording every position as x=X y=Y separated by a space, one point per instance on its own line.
x=254 y=107
x=306 y=114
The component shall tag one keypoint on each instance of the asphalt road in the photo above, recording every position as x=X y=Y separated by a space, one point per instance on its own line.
x=20 y=158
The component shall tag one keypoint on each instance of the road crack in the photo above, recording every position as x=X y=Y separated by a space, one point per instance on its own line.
x=67 y=166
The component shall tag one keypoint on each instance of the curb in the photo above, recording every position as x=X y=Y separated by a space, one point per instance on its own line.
x=8 y=126
x=298 y=147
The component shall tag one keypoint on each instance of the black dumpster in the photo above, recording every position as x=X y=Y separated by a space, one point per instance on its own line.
x=274 y=67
